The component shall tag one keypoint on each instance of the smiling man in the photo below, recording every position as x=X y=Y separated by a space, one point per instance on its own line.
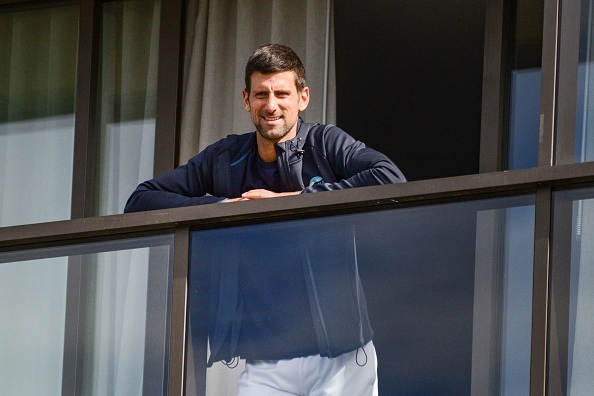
x=285 y=321
x=274 y=103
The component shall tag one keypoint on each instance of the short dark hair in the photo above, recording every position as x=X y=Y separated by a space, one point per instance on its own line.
x=274 y=58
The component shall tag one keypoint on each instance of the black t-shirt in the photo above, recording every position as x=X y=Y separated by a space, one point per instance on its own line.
x=277 y=321
x=260 y=174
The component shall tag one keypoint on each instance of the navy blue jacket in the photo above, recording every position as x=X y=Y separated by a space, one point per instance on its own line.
x=218 y=172
x=319 y=158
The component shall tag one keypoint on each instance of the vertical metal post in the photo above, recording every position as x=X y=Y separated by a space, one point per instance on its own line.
x=493 y=112
x=548 y=96
x=540 y=293
x=560 y=296
x=569 y=42
x=83 y=173
x=82 y=188
x=169 y=86
x=177 y=339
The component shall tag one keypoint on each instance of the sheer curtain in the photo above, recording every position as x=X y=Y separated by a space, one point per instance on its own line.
x=126 y=123
x=127 y=99
x=115 y=346
x=38 y=52
x=37 y=85
x=221 y=37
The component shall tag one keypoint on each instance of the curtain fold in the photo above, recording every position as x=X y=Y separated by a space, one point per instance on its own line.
x=127 y=100
x=221 y=37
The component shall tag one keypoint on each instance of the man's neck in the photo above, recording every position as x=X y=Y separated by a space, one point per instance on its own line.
x=266 y=150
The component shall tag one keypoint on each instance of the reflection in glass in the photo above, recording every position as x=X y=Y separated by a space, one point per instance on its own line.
x=572 y=294
x=525 y=65
x=74 y=319
x=127 y=99
x=448 y=290
x=524 y=118
x=584 y=142
x=38 y=54
x=516 y=325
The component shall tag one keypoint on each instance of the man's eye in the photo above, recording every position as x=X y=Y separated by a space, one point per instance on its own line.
x=260 y=95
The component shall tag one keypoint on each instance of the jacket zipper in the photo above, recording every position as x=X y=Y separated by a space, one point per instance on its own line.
x=286 y=169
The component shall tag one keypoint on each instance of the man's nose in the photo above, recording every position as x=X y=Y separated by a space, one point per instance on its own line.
x=271 y=103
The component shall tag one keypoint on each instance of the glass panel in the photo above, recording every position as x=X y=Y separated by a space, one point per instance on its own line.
x=38 y=53
x=572 y=296
x=516 y=328
x=584 y=142
x=32 y=297
x=74 y=319
x=524 y=111
x=448 y=291
x=127 y=99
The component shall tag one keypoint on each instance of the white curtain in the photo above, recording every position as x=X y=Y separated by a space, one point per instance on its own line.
x=37 y=89
x=32 y=315
x=127 y=101
x=114 y=358
x=221 y=37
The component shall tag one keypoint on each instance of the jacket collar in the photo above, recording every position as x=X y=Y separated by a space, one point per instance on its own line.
x=296 y=144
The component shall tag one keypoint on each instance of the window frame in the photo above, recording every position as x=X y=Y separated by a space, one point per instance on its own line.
x=555 y=139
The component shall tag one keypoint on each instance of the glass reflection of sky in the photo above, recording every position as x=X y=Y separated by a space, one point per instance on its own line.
x=524 y=119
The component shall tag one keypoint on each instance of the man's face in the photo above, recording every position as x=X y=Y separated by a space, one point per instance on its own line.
x=274 y=104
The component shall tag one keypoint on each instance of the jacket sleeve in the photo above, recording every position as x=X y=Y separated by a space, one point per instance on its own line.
x=187 y=185
x=353 y=163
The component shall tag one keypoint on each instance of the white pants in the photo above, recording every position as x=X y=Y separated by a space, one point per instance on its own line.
x=353 y=373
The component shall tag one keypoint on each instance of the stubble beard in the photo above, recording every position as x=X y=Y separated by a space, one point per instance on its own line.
x=274 y=134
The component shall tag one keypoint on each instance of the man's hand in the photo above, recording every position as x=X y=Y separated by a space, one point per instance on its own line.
x=261 y=194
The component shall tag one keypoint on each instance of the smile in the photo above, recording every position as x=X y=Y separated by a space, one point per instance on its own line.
x=272 y=118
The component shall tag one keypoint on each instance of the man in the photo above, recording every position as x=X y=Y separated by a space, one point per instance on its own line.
x=285 y=156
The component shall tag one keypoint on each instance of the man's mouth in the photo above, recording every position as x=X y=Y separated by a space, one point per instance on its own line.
x=272 y=119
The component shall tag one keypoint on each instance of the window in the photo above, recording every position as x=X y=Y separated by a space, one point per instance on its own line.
x=525 y=70
x=574 y=136
x=38 y=53
x=78 y=105
x=571 y=342
x=448 y=289
x=85 y=319
x=61 y=139
x=127 y=100
x=409 y=80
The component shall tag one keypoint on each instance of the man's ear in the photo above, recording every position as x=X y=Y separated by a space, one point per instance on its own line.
x=246 y=100
x=303 y=98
